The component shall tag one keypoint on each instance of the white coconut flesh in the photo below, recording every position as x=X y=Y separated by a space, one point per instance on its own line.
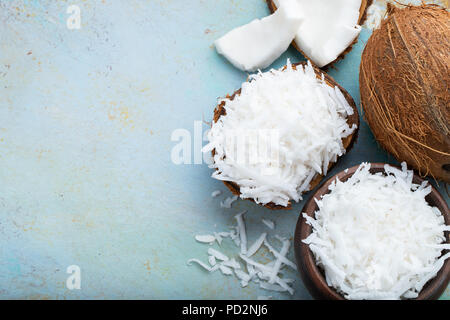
x=306 y=117
x=328 y=28
x=257 y=44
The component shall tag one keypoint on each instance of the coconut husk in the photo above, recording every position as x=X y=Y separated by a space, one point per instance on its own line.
x=362 y=17
x=347 y=142
x=404 y=86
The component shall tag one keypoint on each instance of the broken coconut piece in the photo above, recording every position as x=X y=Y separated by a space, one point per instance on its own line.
x=328 y=29
x=269 y=223
x=251 y=270
x=226 y=270
x=257 y=44
x=242 y=232
x=207 y=238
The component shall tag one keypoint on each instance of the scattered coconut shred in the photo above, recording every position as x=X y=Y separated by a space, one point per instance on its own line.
x=257 y=44
x=385 y=245
x=228 y=202
x=321 y=29
x=216 y=193
x=308 y=119
x=243 y=266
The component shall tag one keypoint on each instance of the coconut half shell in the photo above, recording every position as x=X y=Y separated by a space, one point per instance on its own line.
x=347 y=142
x=362 y=17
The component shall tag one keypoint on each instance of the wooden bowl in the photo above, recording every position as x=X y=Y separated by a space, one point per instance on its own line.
x=348 y=142
x=365 y=4
x=313 y=276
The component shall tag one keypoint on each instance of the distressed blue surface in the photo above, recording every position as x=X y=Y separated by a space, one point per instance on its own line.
x=86 y=118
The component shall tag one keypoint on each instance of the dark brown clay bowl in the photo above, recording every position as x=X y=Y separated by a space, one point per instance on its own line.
x=313 y=277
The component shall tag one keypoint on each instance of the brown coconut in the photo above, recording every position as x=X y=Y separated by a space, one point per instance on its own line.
x=347 y=142
x=404 y=86
x=362 y=17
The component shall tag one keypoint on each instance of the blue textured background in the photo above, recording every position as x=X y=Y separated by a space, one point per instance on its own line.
x=86 y=118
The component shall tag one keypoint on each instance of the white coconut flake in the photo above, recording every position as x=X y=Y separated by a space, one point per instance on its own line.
x=377 y=11
x=259 y=266
x=272 y=287
x=376 y=237
x=257 y=44
x=269 y=223
x=218 y=238
x=225 y=270
x=284 y=129
x=207 y=238
x=217 y=254
x=242 y=232
x=237 y=241
x=212 y=260
x=279 y=256
x=256 y=245
x=228 y=202
x=280 y=286
x=244 y=277
x=284 y=285
x=329 y=27
x=216 y=193
x=251 y=270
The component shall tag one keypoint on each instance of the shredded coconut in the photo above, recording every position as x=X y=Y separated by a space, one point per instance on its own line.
x=256 y=245
x=207 y=238
x=283 y=129
x=228 y=202
x=268 y=275
x=226 y=270
x=203 y=265
x=212 y=261
x=269 y=223
x=217 y=254
x=329 y=27
x=377 y=11
x=242 y=232
x=216 y=193
x=376 y=237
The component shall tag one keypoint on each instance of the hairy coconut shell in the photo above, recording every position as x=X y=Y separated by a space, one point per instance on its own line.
x=347 y=142
x=362 y=17
x=404 y=86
